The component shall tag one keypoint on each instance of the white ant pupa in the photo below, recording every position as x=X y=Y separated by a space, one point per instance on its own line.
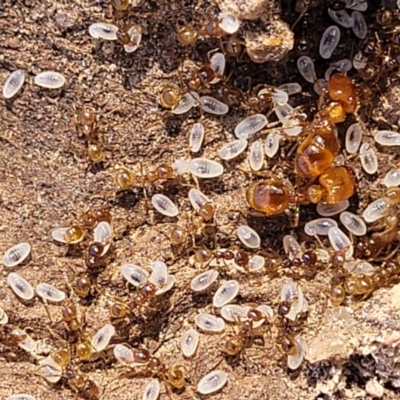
x=340 y=241
x=292 y=247
x=123 y=354
x=136 y=37
x=197 y=199
x=359 y=26
x=341 y=66
x=21 y=396
x=234 y=312
x=102 y=337
x=180 y=167
x=341 y=17
x=159 y=275
x=164 y=205
x=102 y=30
x=328 y=210
x=16 y=254
x=103 y=233
x=203 y=280
x=205 y=168
x=256 y=263
x=171 y=280
x=250 y=125
x=212 y=382
x=3 y=317
x=387 y=138
x=213 y=106
x=217 y=64
x=196 y=137
x=233 y=149
x=186 y=103
x=134 y=275
x=13 y=83
x=272 y=143
x=368 y=158
x=152 y=390
x=20 y=286
x=256 y=156
x=226 y=293
x=50 y=80
x=292 y=292
x=279 y=97
x=306 y=68
x=58 y=235
x=283 y=111
x=228 y=22
x=354 y=136
x=249 y=237
x=50 y=370
x=50 y=293
x=329 y=41
x=319 y=226
x=189 y=342
x=294 y=361
x=353 y=223
x=209 y=322
x=376 y=210
x=392 y=178
x=291 y=88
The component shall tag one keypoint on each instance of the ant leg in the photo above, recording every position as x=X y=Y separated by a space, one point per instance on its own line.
x=143 y=183
x=39 y=373
x=300 y=16
x=257 y=173
x=168 y=391
x=55 y=334
x=196 y=181
x=47 y=310
x=210 y=52
x=390 y=255
x=316 y=237
x=68 y=282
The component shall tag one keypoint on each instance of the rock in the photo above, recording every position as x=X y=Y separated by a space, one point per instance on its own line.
x=394 y=297
x=270 y=45
x=329 y=345
x=374 y=388
x=247 y=9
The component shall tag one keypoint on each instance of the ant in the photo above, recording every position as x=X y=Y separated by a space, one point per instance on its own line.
x=89 y=220
x=148 y=363
x=87 y=126
x=339 y=285
x=148 y=289
x=192 y=224
x=59 y=364
x=125 y=179
x=235 y=343
x=290 y=343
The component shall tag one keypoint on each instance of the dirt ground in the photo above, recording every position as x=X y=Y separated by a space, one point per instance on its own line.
x=47 y=181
